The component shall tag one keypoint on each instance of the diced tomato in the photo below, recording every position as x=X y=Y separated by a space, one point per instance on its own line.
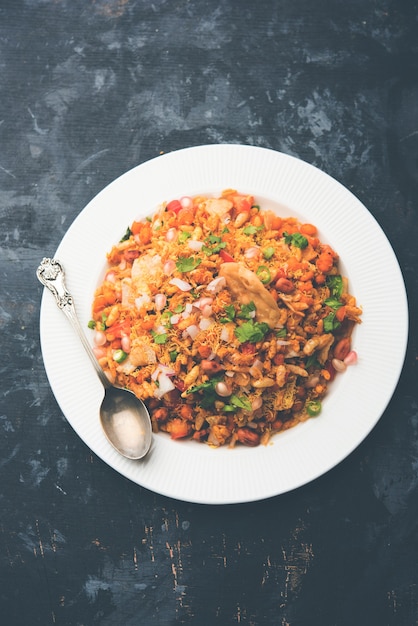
x=174 y=206
x=341 y=313
x=279 y=274
x=248 y=348
x=185 y=216
x=179 y=384
x=119 y=330
x=136 y=227
x=199 y=435
x=226 y=257
x=242 y=203
x=131 y=255
x=178 y=428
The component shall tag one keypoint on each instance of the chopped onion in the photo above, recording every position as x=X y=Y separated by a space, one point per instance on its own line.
x=181 y=284
x=202 y=303
x=99 y=338
x=169 y=267
x=164 y=385
x=125 y=293
x=141 y=300
x=171 y=234
x=207 y=310
x=216 y=284
x=111 y=277
x=160 y=301
x=256 y=368
x=192 y=331
x=205 y=323
x=126 y=344
x=99 y=352
x=225 y=334
x=174 y=319
x=194 y=245
x=186 y=202
x=252 y=253
x=162 y=369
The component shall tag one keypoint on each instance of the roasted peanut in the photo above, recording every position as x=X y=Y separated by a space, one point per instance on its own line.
x=248 y=437
x=160 y=414
x=342 y=348
x=211 y=367
x=285 y=285
x=262 y=383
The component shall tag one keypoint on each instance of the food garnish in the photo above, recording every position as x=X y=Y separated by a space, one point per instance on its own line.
x=228 y=320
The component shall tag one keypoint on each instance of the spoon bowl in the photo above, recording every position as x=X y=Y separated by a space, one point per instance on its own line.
x=123 y=423
x=124 y=418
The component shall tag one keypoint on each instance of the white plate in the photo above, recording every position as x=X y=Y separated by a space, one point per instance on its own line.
x=356 y=400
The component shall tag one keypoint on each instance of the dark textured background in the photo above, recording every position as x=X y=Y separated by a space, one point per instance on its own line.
x=91 y=88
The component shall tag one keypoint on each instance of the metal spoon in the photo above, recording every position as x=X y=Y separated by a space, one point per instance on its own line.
x=124 y=418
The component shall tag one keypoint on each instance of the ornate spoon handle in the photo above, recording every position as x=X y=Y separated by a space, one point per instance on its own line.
x=51 y=274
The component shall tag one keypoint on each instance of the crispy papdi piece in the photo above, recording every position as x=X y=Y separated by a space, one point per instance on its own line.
x=246 y=287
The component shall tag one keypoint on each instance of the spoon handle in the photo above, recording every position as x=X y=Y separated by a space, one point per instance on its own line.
x=51 y=274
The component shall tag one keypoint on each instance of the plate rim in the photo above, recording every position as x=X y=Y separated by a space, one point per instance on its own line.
x=205 y=153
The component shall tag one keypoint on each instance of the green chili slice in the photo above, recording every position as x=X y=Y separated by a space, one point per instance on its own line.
x=264 y=274
x=313 y=408
x=119 y=356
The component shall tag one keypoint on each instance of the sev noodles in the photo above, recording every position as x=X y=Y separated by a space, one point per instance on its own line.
x=226 y=319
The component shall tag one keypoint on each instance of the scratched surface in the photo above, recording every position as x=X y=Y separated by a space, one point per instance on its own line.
x=91 y=88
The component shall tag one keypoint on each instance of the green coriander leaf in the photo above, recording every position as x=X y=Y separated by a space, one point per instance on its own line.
x=251 y=331
x=281 y=333
x=335 y=285
x=173 y=355
x=127 y=234
x=333 y=303
x=159 y=338
x=246 y=311
x=184 y=236
x=166 y=319
x=268 y=253
x=240 y=402
x=187 y=263
x=213 y=239
x=208 y=394
x=296 y=239
x=312 y=361
x=250 y=230
x=330 y=323
x=229 y=314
